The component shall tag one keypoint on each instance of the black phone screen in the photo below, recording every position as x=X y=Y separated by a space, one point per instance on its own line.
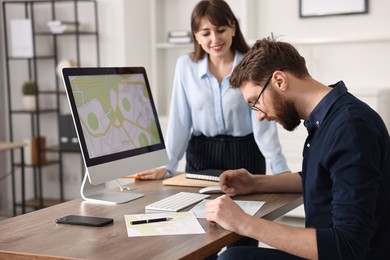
x=84 y=220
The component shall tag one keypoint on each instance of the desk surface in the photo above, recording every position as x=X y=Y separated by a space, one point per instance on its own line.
x=36 y=233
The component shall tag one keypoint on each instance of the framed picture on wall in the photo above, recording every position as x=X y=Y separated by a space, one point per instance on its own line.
x=318 y=8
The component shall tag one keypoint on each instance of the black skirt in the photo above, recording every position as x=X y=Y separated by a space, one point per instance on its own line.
x=225 y=153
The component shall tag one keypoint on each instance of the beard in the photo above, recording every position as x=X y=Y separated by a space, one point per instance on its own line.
x=286 y=112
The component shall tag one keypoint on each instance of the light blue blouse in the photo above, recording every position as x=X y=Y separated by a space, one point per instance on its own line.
x=199 y=105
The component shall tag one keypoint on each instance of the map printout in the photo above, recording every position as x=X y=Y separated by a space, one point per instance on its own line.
x=182 y=223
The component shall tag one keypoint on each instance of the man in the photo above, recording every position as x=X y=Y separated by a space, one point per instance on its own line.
x=345 y=176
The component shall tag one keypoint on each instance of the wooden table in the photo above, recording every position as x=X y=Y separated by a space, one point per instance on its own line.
x=36 y=235
x=9 y=146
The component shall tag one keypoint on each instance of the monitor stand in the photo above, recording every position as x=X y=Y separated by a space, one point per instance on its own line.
x=99 y=193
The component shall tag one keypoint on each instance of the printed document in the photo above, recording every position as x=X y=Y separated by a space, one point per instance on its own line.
x=182 y=223
x=250 y=207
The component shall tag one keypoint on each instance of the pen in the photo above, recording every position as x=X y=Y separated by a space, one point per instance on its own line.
x=144 y=221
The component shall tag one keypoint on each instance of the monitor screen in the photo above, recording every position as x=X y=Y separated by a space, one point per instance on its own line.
x=116 y=121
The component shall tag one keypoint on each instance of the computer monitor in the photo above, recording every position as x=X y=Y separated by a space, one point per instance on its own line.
x=117 y=126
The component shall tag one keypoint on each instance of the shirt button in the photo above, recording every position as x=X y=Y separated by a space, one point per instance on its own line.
x=317 y=122
x=308 y=145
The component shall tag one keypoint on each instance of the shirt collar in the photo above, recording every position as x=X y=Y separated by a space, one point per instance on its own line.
x=317 y=116
x=203 y=68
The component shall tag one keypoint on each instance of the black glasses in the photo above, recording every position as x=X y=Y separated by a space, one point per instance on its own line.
x=253 y=105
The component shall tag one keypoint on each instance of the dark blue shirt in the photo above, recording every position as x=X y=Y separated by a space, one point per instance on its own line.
x=346 y=178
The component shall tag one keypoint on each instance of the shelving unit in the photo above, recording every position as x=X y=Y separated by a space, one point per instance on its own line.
x=172 y=15
x=47 y=50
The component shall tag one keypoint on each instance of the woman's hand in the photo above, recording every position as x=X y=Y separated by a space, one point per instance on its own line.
x=153 y=174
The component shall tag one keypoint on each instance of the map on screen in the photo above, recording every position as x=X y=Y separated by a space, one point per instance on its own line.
x=115 y=112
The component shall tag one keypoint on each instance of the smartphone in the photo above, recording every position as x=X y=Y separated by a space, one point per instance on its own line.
x=84 y=220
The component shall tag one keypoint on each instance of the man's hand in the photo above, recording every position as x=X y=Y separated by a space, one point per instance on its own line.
x=224 y=211
x=237 y=182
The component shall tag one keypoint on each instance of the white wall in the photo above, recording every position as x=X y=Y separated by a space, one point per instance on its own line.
x=354 y=48
x=282 y=17
x=124 y=33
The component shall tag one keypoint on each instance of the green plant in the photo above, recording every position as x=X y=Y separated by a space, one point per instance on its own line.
x=29 y=87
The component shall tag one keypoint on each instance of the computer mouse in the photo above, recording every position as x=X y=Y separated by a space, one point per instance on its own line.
x=211 y=190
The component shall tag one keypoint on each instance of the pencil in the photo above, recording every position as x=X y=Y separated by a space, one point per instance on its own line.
x=137 y=177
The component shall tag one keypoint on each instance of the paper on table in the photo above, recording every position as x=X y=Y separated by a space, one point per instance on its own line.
x=181 y=224
x=250 y=207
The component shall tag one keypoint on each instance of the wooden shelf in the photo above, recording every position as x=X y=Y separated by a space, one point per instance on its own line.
x=57 y=148
x=49 y=162
x=46 y=203
x=23 y=111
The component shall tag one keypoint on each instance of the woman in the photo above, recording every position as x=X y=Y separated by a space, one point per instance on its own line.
x=209 y=120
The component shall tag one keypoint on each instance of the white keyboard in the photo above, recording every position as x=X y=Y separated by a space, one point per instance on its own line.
x=176 y=202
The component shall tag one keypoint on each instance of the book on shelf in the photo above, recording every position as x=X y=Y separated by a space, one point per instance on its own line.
x=179 y=34
x=34 y=151
x=179 y=40
x=58 y=27
x=179 y=37
x=208 y=175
